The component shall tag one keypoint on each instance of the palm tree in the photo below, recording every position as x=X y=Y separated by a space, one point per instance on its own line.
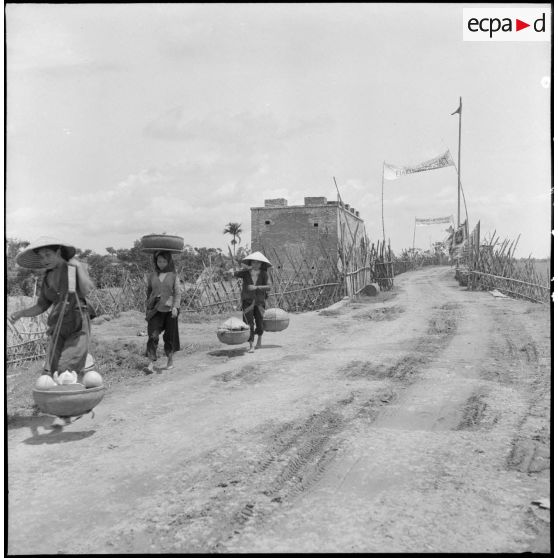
x=234 y=230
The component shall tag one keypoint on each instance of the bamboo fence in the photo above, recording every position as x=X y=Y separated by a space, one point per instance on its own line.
x=385 y=266
x=130 y=295
x=32 y=349
x=492 y=265
x=307 y=281
x=300 y=282
x=382 y=265
x=26 y=339
x=303 y=282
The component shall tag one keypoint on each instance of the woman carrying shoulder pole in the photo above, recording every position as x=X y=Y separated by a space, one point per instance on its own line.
x=68 y=324
x=255 y=287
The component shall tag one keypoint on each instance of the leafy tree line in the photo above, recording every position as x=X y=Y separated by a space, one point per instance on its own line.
x=109 y=270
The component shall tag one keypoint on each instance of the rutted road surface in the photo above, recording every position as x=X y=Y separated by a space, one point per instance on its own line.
x=411 y=421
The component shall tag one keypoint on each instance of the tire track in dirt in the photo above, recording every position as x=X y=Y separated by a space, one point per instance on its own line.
x=236 y=495
x=305 y=447
x=442 y=326
x=296 y=455
x=477 y=412
x=525 y=347
x=299 y=453
x=528 y=370
x=456 y=394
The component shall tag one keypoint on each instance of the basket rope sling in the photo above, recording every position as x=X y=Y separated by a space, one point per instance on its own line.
x=63 y=305
x=236 y=337
x=249 y=309
x=270 y=324
x=63 y=309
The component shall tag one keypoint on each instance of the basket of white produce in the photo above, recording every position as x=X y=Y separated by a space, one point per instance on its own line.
x=233 y=332
x=67 y=400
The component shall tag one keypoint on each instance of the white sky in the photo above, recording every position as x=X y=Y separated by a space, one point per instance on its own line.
x=128 y=119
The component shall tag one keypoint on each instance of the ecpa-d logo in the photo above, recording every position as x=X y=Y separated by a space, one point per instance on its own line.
x=506 y=24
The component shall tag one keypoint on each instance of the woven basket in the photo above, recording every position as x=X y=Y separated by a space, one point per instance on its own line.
x=151 y=243
x=275 y=319
x=233 y=337
x=70 y=400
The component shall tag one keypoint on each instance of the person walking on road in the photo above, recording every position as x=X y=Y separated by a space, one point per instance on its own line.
x=65 y=285
x=163 y=307
x=255 y=287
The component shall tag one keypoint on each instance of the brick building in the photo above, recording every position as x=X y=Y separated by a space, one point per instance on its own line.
x=317 y=229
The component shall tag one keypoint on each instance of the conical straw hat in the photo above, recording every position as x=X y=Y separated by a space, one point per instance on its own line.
x=257 y=256
x=31 y=260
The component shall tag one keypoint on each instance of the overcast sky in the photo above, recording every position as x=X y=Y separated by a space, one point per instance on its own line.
x=124 y=120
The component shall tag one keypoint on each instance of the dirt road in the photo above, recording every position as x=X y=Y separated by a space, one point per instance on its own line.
x=412 y=421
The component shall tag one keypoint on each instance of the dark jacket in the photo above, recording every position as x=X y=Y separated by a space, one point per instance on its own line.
x=53 y=291
x=257 y=296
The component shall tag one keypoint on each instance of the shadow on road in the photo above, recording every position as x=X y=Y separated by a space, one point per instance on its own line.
x=22 y=422
x=239 y=352
x=57 y=436
x=228 y=352
x=54 y=431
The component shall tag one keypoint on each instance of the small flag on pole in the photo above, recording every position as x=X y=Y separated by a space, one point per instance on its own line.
x=458 y=111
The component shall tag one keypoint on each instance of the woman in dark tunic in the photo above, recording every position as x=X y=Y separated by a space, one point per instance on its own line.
x=68 y=324
x=255 y=287
x=163 y=306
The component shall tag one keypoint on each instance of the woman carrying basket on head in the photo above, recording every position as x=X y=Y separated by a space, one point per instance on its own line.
x=255 y=287
x=65 y=285
x=163 y=306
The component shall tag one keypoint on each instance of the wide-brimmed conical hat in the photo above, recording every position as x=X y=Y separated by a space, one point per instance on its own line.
x=257 y=256
x=31 y=260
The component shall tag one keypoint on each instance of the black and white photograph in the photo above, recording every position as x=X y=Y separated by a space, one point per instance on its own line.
x=278 y=278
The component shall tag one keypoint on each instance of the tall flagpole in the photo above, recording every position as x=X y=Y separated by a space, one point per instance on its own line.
x=460 y=111
x=383 y=230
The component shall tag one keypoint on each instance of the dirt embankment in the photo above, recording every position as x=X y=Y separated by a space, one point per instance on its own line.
x=413 y=421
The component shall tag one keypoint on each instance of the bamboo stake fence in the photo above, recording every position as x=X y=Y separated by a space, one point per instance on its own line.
x=492 y=265
x=385 y=266
x=32 y=349
x=306 y=281
x=300 y=282
x=26 y=340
